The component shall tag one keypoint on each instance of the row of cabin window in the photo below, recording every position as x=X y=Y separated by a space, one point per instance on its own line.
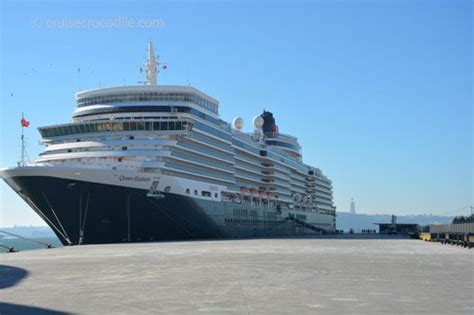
x=194 y=157
x=116 y=126
x=197 y=170
x=203 y=193
x=202 y=149
x=190 y=176
x=143 y=97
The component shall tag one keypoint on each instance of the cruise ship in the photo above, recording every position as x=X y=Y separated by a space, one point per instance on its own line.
x=155 y=162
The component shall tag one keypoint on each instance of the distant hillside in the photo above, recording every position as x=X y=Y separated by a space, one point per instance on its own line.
x=29 y=231
x=346 y=220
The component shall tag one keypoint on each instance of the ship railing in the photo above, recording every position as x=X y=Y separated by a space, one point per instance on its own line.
x=281 y=136
x=246 y=137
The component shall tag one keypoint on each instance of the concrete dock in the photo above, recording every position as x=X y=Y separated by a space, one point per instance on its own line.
x=297 y=276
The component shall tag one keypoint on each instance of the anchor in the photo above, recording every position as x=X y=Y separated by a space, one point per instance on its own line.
x=153 y=192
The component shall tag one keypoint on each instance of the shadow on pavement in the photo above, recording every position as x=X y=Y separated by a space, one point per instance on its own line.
x=10 y=276
x=8 y=308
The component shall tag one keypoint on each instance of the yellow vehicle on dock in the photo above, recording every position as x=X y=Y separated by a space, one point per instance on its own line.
x=425 y=236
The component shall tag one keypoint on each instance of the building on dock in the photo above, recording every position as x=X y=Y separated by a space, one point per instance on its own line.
x=398 y=228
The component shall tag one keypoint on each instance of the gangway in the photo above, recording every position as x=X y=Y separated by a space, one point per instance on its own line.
x=305 y=224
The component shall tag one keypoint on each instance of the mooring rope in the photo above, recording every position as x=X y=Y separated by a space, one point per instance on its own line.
x=27 y=239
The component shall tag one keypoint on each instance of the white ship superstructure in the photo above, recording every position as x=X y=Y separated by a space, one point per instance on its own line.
x=155 y=162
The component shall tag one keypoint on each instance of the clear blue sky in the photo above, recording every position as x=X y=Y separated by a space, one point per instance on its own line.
x=378 y=92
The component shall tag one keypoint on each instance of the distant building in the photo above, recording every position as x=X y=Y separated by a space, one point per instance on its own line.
x=398 y=229
x=353 y=206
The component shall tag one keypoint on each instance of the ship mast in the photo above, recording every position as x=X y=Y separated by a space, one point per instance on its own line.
x=151 y=72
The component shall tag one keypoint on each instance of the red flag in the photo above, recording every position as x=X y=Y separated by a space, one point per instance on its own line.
x=24 y=122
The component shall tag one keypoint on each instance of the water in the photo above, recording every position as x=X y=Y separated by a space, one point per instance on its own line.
x=22 y=245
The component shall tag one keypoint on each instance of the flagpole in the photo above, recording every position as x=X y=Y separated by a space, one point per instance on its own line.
x=22 y=141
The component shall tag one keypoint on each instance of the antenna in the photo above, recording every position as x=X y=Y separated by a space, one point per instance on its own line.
x=79 y=77
x=187 y=72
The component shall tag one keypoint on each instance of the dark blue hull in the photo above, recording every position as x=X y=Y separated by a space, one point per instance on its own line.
x=89 y=213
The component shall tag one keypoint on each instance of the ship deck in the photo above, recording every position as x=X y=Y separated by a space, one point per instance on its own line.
x=309 y=276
